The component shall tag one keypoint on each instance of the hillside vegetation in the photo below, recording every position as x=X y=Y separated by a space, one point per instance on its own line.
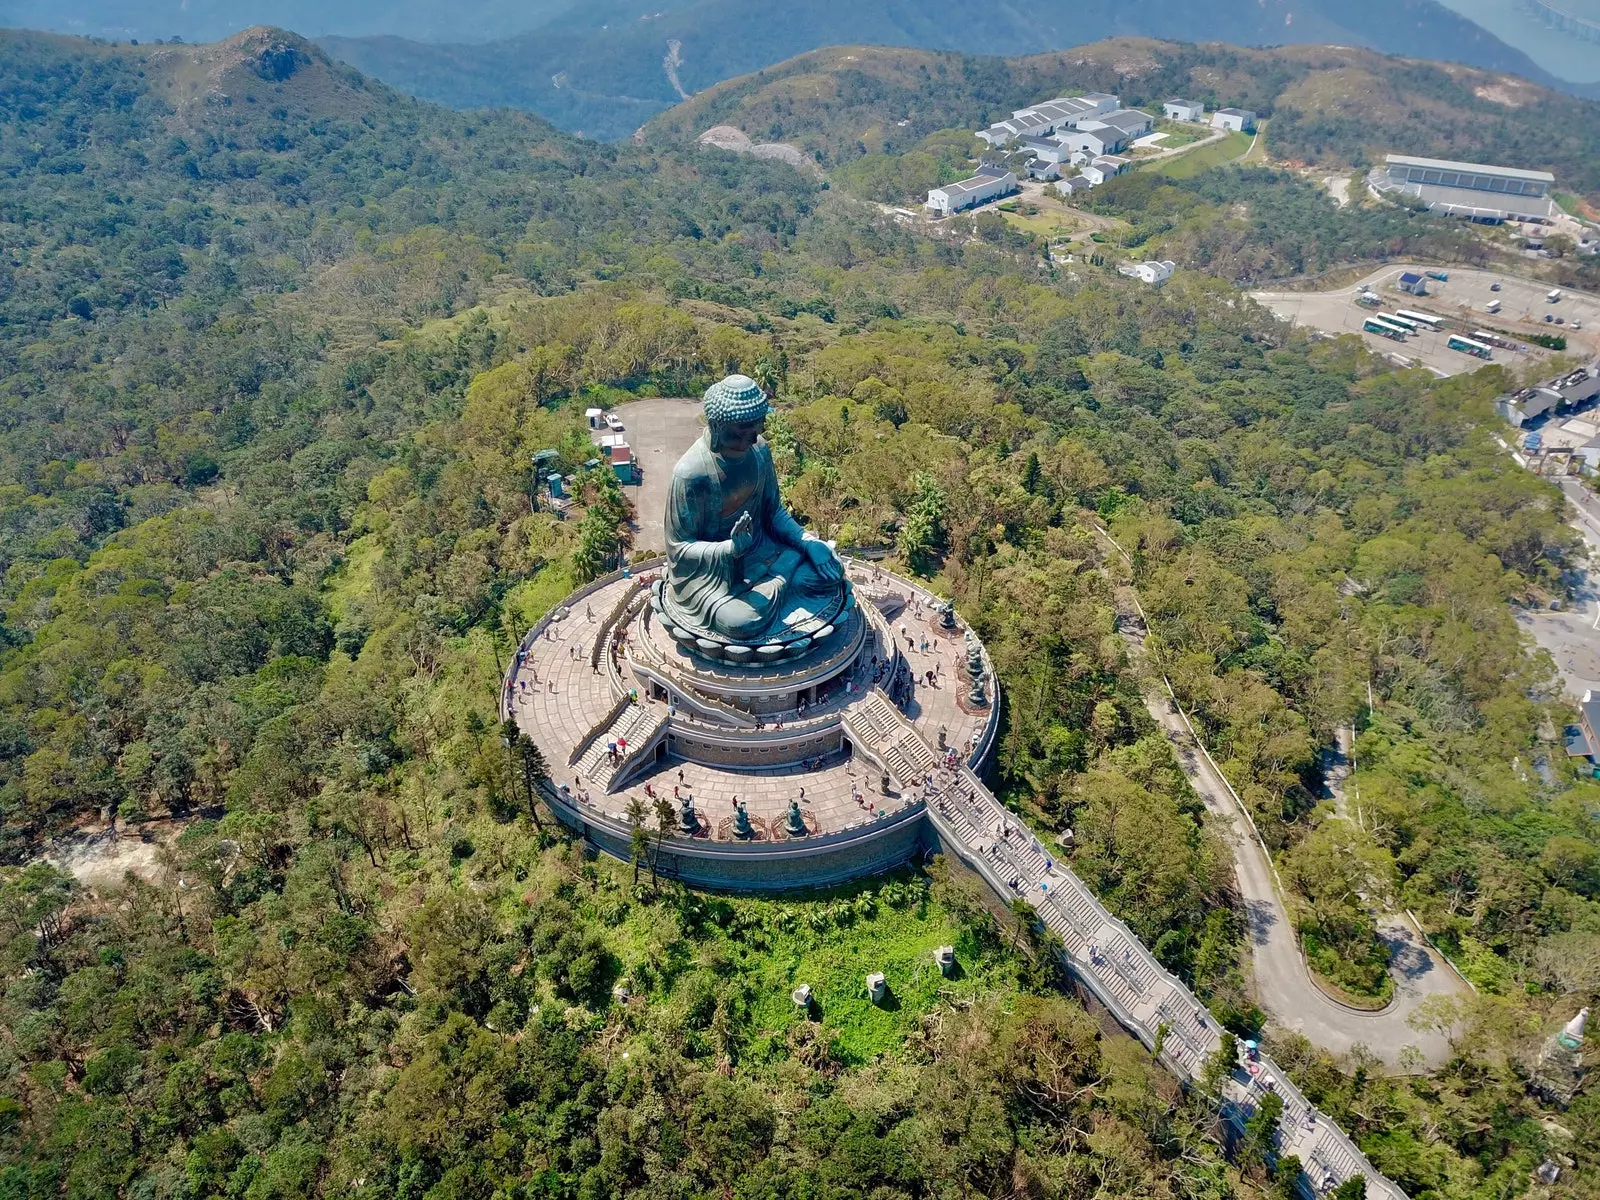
x=1328 y=105
x=278 y=347
x=595 y=68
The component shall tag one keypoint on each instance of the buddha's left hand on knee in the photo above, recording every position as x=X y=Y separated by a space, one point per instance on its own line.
x=823 y=559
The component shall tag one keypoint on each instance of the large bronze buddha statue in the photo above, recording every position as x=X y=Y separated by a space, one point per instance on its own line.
x=744 y=581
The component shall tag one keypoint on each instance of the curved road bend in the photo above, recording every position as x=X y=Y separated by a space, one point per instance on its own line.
x=1283 y=984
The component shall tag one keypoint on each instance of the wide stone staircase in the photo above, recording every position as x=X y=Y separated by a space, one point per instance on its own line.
x=879 y=729
x=637 y=724
x=1112 y=963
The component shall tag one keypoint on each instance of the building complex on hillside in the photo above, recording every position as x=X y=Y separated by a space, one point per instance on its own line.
x=1078 y=131
x=1042 y=120
x=1559 y=395
x=1462 y=189
x=990 y=183
x=1565 y=436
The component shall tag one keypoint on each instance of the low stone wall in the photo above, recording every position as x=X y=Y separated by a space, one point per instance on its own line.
x=762 y=866
x=751 y=755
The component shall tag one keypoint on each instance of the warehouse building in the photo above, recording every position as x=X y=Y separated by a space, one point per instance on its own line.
x=1462 y=189
x=988 y=184
x=1053 y=116
x=1184 y=110
x=1240 y=120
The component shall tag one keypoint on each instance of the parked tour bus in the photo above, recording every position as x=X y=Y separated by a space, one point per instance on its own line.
x=1405 y=323
x=1421 y=318
x=1384 y=328
x=1469 y=346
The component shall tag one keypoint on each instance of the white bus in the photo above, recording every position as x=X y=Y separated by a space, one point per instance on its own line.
x=1405 y=323
x=1489 y=338
x=1384 y=328
x=1433 y=323
x=1467 y=346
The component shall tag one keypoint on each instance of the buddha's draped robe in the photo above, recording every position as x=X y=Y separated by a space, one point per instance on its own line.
x=712 y=589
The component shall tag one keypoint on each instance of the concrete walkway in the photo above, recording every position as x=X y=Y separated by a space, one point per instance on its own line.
x=1284 y=987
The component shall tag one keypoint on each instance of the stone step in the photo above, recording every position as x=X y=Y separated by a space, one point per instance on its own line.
x=636 y=724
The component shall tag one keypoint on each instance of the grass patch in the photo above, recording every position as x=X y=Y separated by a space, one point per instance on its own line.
x=1046 y=222
x=754 y=952
x=1212 y=154
x=1179 y=133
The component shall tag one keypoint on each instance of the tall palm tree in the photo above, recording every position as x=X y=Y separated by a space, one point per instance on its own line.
x=664 y=819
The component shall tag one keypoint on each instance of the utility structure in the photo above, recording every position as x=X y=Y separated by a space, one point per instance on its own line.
x=1560 y=1067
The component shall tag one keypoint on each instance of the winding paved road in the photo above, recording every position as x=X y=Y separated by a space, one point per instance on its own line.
x=1284 y=987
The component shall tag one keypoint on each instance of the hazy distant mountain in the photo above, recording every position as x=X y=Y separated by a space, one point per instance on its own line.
x=208 y=20
x=602 y=68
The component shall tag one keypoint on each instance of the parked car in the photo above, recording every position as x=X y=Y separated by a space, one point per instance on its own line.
x=1494 y=287
x=1548 y=318
x=614 y=423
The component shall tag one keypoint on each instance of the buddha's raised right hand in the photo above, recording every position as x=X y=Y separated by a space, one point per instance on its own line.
x=743 y=534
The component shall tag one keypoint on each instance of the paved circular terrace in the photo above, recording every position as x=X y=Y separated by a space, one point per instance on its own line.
x=567 y=702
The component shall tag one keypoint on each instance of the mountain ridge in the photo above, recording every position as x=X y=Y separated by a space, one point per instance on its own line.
x=1326 y=104
x=598 y=70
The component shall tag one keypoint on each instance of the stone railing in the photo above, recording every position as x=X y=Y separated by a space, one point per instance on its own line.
x=599 y=727
x=608 y=626
x=1121 y=973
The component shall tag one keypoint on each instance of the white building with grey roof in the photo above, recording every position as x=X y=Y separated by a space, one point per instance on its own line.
x=969 y=193
x=1051 y=116
x=1240 y=120
x=1462 y=189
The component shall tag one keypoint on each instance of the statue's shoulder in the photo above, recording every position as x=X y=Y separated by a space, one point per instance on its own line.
x=694 y=471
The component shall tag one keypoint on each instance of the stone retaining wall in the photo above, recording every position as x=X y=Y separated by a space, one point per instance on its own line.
x=794 y=865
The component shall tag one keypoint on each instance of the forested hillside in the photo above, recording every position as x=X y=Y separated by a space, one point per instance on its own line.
x=278 y=345
x=1330 y=105
x=595 y=68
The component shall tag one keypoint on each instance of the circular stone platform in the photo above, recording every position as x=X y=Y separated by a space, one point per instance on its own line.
x=849 y=728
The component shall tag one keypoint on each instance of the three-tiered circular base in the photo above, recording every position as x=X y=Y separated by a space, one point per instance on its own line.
x=847 y=728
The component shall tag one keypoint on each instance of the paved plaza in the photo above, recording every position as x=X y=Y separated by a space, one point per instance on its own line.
x=558 y=698
x=659 y=431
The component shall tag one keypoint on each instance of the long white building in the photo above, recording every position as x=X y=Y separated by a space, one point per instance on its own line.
x=969 y=193
x=1471 y=190
x=1064 y=112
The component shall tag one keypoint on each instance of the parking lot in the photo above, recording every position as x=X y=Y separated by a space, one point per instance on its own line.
x=1461 y=300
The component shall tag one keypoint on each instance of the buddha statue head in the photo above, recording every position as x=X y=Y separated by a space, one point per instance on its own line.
x=736 y=413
